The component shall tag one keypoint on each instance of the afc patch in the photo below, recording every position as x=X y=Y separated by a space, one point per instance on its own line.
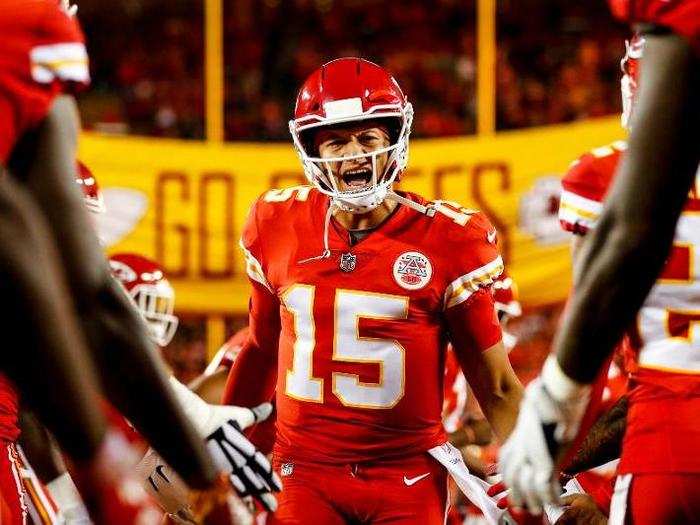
x=412 y=270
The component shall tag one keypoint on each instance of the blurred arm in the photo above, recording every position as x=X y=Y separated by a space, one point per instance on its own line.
x=131 y=372
x=623 y=255
x=603 y=442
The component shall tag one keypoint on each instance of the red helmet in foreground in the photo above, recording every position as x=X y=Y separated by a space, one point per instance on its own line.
x=145 y=282
x=629 y=83
x=91 y=190
x=349 y=91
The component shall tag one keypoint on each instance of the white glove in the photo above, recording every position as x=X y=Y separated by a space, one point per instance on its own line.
x=250 y=472
x=207 y=418
x=549 y=419
x=67 y=498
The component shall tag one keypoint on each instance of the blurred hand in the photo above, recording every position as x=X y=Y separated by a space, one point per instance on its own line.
x=581 y=510
x=549 y=418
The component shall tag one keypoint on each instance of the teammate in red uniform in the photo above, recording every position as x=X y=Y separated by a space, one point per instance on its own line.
x=653 y=348
x=356 y=291
x=615 y=271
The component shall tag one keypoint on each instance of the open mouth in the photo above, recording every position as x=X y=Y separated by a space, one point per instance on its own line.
x=357 y=178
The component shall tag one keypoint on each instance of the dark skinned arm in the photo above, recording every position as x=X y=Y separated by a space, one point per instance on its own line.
x=603 y=442
x=132 y=374
x=622 y=257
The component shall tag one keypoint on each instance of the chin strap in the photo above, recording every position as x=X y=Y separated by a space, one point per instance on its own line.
x=326 y=228
x=425 y=210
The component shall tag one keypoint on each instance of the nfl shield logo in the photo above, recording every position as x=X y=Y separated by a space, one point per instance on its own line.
x=348 y=262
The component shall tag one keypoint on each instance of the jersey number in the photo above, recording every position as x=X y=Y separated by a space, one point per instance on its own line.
x=348 y=347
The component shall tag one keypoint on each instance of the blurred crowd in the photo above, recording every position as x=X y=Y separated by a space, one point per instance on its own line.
x=557 y=61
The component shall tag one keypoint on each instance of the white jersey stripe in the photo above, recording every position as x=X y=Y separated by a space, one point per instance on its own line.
x=463 y=287
x=254 y=268
x=66 y=61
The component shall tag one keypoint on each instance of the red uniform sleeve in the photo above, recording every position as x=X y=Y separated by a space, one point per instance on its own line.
x=581 y=200
x=585 y=186
x=253 y=376
x=43 y=55
x=473 y=324
x=473 y=261
x=680 y=16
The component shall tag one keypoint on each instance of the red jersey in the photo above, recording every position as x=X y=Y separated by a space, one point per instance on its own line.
x=360 y=336
x=43 y=54
x=662 y=352
x=680 y=16
x=9 y=430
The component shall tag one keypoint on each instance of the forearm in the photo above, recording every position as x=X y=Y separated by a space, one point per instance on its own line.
x=501 y=409
x=252 y=362
x=624 y=254
x=133 y=370
x=40 y=448
x=604 y=441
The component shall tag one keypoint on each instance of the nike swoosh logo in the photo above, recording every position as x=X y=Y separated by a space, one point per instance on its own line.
x=413 y=481
x=491 y=236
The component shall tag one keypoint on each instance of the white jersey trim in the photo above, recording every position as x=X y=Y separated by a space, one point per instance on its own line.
x=254 y=269
x=463 y=287
x=576 y=210
x=65 y=62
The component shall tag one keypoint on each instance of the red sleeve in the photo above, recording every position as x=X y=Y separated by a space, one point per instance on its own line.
x=476 y=262
x=254 y=373
x=473 y=324
x=43 y=55
x=680 y=16
x=253 y=376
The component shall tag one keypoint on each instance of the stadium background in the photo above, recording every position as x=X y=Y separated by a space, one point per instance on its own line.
x=186 y=123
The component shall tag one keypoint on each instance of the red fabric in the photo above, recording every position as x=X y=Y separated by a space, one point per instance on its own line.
x=663 y=429
x=279 y=235
x=681 y=16
x=12 y=505
x=9 y=431
x=373 y=492
x=598 y=487
x=25 y=98
x=663 y=498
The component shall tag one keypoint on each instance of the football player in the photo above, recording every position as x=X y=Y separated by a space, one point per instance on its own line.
x=613 y=275
x=57 y=285
x=356 y=290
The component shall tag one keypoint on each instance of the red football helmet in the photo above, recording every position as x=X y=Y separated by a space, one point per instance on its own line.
x=629 y=64
x=505 y=295
x=350 y=90
x=147 y=285
x=91 y=190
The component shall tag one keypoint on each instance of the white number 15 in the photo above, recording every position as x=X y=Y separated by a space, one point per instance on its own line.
x=348 y=347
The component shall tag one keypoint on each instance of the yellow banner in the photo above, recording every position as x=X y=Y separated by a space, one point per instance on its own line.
x=184 y=203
